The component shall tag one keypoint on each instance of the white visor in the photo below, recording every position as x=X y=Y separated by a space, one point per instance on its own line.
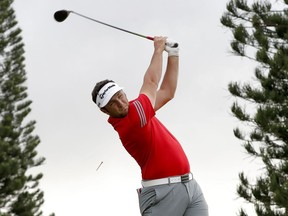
x=106 y=93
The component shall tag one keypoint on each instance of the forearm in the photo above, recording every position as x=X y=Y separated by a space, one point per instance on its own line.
x=167 y=89
x=153 y=74
x=154 y=71
x=169 y=83
x=152 y=77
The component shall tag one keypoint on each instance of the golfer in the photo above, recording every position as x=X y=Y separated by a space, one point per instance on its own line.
x=169 y=188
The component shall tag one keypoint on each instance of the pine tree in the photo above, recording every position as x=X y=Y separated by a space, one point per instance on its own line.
x=19 y=192
x=260 y=33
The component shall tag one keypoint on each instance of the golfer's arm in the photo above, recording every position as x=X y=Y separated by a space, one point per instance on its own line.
x=168 y=87
x=152 y=76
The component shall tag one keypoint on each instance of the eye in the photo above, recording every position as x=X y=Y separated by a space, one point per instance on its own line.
x=110 y=103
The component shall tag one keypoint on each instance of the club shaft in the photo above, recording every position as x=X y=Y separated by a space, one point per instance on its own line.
x=115 y=27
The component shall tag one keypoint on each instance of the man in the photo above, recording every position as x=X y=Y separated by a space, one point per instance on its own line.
x=168 y=185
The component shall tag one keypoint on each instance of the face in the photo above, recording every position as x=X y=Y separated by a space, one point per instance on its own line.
x=118 y=105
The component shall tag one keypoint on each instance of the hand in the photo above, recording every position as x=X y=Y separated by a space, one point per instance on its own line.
x=159 y=43
x=172 y=47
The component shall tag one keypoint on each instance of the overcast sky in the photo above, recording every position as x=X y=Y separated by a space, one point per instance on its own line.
x=65 y=60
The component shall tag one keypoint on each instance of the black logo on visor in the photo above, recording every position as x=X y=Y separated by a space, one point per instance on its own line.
x=101 y=96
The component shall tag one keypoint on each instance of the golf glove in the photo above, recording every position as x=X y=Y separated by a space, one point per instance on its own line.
x=172 y=48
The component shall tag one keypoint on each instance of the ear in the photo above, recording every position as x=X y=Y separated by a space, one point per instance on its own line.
x=104 y=110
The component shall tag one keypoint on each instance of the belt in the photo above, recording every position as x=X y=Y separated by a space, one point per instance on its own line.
x=170 y=180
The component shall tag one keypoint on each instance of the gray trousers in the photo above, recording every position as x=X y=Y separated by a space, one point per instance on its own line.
x=180 y=199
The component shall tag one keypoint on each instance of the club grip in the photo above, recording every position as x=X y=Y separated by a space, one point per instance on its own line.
x=169 y=43
x=150 y=38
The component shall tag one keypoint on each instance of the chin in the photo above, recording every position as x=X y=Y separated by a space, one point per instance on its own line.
x=121 y=114
x=124 y=114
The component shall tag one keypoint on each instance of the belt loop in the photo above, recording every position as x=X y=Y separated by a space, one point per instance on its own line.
x=139 y=191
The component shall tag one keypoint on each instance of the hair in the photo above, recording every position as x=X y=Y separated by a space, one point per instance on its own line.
x=97 y=88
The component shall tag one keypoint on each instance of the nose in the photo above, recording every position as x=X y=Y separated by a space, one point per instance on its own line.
x=120 y=103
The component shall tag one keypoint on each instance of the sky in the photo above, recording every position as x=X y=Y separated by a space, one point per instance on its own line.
x=65 y=60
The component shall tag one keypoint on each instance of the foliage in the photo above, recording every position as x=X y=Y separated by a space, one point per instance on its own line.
x=260 y=33
x=19 y=192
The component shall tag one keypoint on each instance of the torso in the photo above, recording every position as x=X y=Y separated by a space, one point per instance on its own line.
x=146 y=139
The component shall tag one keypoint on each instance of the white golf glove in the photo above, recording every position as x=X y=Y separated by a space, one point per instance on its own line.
x=172 y=48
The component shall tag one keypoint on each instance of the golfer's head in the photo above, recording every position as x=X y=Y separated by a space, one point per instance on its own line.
x=110 y=98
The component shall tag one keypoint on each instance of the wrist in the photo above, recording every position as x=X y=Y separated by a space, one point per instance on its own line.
x=173 y=53
x=158 y=51
x=176 y=54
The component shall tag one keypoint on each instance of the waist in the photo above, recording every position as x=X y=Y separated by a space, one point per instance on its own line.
x=169 y=180
x=159 y=168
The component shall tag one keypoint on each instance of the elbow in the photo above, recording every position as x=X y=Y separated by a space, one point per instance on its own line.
x=150 y=81
x=169 y=96
x=170 y=92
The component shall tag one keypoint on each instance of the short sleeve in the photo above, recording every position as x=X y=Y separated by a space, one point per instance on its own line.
x=144 y=109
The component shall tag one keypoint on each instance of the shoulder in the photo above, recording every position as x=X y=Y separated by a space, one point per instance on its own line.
x=144 y=102
x=140 y=109
x=143 y=98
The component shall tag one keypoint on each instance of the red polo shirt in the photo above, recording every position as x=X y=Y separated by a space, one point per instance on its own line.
x=147 y=140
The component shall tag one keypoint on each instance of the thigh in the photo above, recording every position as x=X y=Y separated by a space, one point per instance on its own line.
x=164 y=200
x=147 y=199
x=200 y=210
x=198 y=205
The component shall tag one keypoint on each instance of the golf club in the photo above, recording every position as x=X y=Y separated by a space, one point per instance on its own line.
x=62 y=15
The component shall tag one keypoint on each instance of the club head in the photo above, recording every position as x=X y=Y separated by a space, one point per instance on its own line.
x=61 y=15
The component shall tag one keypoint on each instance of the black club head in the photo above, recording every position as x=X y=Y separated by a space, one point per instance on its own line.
x=61 y=15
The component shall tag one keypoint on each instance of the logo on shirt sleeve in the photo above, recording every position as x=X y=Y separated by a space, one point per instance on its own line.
x=140 y=112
